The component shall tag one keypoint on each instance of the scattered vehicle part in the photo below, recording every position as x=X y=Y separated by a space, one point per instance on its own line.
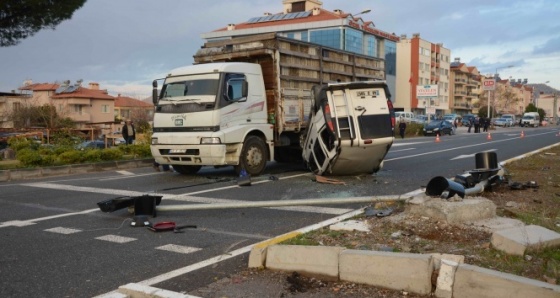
x=168 y=226
x=141 y=204
x=140 y=221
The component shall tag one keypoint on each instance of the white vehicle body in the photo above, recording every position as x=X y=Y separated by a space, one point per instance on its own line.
x=407 y=117
x=510 y=117
x=531 y=119
x=351 y=128
x=202 y=118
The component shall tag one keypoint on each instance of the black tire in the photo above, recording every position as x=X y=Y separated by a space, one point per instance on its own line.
x=186 y=170
x=253 y=156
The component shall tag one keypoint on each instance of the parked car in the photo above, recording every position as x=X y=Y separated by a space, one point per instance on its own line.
x=404 y=116
x=467 y=118
x=420 y=119
x=441 y=127
x=95 y=144
x=503 y=122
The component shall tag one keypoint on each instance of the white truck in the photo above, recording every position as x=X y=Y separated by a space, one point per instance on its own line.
x=247 y=100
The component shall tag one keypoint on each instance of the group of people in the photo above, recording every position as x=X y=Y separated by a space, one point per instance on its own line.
x=479 y=122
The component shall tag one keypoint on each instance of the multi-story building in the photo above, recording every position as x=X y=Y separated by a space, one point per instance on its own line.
x=10 y=102
x=422 y=63
x=131 y=108
x=308 y=21
x=87 y=107
x=464 y=87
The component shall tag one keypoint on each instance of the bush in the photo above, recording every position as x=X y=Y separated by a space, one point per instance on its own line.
x=19 y=143
x=92 y=155
x=71 y=157
x=111 y=154
x=137 y=150
x=29 y=157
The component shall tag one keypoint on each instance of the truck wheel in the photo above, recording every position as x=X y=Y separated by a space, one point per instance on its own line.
x=253 y=157
x=186 y=170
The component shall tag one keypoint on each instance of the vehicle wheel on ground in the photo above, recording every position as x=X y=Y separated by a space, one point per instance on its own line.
x=186 y=170
x=253 y=156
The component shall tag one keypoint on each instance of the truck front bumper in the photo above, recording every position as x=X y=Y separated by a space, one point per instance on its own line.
x=202 y=155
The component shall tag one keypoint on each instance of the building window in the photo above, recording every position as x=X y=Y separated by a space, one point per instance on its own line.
x=353 y=41
x=329 y=38
x=16 y=106
x=371 y=46
x=390 y=57
x=105 y=109
x=78 y=109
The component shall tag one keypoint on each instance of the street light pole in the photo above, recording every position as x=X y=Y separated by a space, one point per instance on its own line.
x=362 y=12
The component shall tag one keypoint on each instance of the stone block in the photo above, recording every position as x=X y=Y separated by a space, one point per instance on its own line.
x=446 y=276
x=455 y=212
x=472 y=281
x=56 y=171
x=398 y=271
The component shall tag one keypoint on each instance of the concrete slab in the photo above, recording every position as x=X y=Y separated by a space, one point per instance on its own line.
x=350 y=225
x=321 y=261
x=471 y=281
x=455 y=212
x=398 y=271
x=446 y=277
x=517 y=241
x=496 y=224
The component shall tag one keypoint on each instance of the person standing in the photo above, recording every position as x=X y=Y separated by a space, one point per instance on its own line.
x=477 y=125
x=471 y=123
x=129 y=132
x=402 y=128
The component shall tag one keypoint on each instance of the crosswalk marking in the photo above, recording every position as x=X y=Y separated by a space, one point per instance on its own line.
x=116 y=239
x=179 y=248
x=61 y=230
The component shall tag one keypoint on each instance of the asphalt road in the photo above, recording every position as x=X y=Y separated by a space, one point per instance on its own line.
x=56 y=242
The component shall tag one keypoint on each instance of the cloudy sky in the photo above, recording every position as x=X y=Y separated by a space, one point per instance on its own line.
x=123 y=45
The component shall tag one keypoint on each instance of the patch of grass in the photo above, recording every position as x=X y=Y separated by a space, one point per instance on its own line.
x=304 y=239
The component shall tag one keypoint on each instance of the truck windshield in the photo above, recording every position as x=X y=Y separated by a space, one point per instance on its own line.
x=189 y=88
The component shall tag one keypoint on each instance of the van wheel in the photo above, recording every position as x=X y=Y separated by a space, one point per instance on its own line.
x=253 y=156
x=186 y=170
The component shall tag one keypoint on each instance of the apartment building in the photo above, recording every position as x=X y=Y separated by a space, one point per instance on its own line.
x=308 y=21
x=464 y=87
x=421 y=63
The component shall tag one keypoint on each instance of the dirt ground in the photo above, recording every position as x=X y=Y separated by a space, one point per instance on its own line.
x=530 y=193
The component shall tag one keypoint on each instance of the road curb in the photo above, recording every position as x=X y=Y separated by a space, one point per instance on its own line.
x=34 y=173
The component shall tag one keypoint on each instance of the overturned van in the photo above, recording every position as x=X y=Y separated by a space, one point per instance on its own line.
x=351 y=128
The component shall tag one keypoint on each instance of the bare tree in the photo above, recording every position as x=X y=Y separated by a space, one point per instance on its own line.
x=505 y=100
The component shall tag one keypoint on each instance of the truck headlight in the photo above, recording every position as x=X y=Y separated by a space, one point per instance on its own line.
x=154 y=141
x=210 y=141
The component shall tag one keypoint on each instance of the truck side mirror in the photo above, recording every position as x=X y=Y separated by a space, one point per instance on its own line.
x=245 y=89
x=154 y=92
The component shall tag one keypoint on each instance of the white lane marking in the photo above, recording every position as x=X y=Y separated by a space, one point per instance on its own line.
x=127 y=173
x=407 y=149
x=61 y=230
x=471 y=155
x=16 y=223
x=455 y=148
x=22 y=223
x=116 y=239
x=118 y=177
x=235 y=253
x=179 y=248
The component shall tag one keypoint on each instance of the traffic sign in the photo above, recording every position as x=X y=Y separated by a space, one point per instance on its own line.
x=488 y=84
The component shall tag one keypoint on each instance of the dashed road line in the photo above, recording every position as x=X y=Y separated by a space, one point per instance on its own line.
x=179 y=248
x=61 y=230
x=116 y=239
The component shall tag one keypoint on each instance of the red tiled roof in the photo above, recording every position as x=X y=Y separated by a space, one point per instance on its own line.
x=123 y=101
x=82 y=92
x=40 y=87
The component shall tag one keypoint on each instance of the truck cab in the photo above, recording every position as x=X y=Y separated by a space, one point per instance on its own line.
x=531 y=119
x=212 y=114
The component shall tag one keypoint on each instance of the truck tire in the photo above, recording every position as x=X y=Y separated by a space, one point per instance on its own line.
x=253 y=156
x=186 y=170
